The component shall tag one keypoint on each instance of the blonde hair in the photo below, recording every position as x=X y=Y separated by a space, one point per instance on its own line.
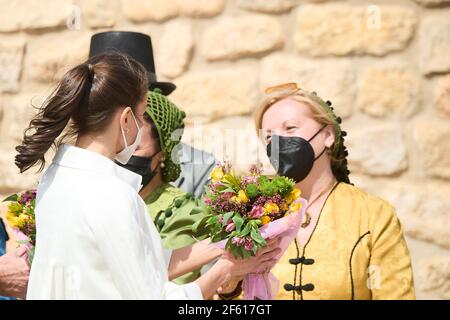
x=312 y=101
x=322 y=112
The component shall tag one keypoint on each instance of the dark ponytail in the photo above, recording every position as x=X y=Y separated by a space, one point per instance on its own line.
x=89 y=94
x=53 y=117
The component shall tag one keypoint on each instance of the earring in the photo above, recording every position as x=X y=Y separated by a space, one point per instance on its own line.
x=127 y=130
x=162 y=165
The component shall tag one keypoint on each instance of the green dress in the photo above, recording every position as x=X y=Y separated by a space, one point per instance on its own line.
x=174 y=212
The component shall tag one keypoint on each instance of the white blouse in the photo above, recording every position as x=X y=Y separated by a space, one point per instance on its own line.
x=95 y=238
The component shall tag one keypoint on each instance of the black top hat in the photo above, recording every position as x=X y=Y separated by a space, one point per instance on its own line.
x=134 y=44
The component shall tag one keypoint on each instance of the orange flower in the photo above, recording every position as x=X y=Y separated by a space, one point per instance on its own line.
x=265 y=219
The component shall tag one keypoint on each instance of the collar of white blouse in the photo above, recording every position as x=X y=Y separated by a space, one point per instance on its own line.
x=82 y=159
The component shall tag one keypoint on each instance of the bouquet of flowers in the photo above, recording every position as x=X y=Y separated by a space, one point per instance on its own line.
x=21 y=219
x=245 y=211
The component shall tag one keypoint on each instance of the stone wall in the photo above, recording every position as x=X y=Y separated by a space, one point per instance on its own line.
x=385 y=65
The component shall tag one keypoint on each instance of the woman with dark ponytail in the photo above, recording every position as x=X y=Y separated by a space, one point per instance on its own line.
x=95 y=239
x=350 y=244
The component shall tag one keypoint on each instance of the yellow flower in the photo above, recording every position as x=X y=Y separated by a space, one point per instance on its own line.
x=243 y=196
x=12 y=219
x=295 y=193
x=265 y=219
x=24 y=217
x=295 y=207
x=271 y=208
x=21 y=221
x=9 y=214
x=235 y=199
x=216 y=174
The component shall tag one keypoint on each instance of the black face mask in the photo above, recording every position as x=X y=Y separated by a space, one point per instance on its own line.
x=292 y=157
x=141 y=166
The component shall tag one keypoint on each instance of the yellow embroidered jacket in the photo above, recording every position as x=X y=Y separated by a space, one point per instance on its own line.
x=356 y=251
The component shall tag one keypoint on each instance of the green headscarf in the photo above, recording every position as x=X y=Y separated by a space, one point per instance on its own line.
x=167 y=118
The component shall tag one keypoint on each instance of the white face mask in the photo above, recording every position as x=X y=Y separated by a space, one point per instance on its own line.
x=125 y=155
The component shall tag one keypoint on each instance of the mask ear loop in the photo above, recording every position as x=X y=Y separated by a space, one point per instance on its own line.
x=317 y=133
x=323 y=151
x=124 y=137
x=310 y=139
x=122 y=130
x=135 y=121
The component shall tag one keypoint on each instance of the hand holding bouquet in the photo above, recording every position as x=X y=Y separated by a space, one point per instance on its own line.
x=21 y=219
x=245 y=211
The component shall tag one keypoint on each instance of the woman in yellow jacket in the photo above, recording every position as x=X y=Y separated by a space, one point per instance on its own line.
x=350 y=244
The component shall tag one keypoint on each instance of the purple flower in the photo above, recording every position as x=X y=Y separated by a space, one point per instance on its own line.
x=230 y=227
x=207 y=201
x=220 y=218
x=256 y=212
x=238 y=241
x=246 y=180
x=256 y=169
x=262 y=200
x=248 y=244
x=26 y=197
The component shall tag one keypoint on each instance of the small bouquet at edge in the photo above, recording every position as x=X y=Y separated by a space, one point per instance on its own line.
x=21 y=219
x=245 y=210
